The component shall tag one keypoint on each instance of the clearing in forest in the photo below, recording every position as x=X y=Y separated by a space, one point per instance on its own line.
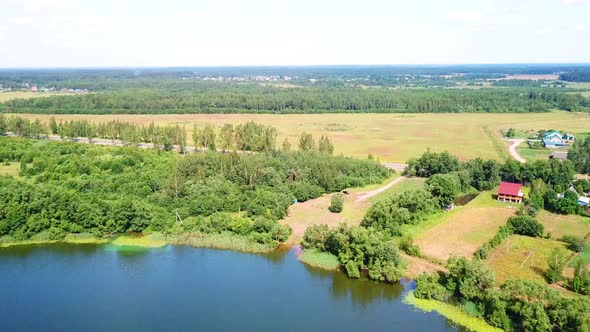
x=461 y=231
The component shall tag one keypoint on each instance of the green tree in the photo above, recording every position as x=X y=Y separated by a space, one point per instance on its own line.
x=306 y=142
x=336 y=203
x=325 y=145
x=226 y=137
x=556 y=262
x=444 y=188
x=286 y=146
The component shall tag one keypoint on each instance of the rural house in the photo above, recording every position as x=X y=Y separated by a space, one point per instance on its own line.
x=555 y=139
x=510 y=192
x=584 y=201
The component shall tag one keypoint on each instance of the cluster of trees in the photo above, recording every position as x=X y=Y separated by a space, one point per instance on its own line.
x=357 y=248
x=516 y=305
x=254 y=98
x=579 y=154
x=70 y=188
x=557 y=198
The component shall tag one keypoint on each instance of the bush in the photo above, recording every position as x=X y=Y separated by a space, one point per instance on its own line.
x=556 y=263
x=336 y=203
x=407 y=245
x=428 y=287
x=526 y=225
x=574 y=243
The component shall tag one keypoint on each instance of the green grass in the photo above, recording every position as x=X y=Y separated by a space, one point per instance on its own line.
x=12 y=169
x=319 y=259
x=560 y=225
x=534 y=154
x=83 y=238
x=453 y=313
x=220 y=241
x=403 y=186
x=584 y=256
x=154 y=240
x=507 y=258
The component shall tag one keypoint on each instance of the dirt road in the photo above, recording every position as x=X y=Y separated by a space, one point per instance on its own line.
x=513 y=152
x=369 y=194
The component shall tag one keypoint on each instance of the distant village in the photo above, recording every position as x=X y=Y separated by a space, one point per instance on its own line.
x=37 y=88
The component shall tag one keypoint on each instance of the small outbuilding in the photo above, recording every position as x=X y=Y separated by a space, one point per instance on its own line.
x=510 y=192
x=584 y=201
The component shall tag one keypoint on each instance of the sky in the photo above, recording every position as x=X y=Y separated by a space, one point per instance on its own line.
x=171 y=33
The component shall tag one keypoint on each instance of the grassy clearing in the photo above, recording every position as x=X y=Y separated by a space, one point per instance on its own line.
x=390 y=137
x=319 y=259
x=12 y=169
x=584 y=256
x=405 y=185
x=220 y=241
x=462 y=230
x=559 y=225
x=453 y=313
x=534 y=154
x=507 y=258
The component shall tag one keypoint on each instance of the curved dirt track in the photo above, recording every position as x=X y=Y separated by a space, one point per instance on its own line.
x=513 y=152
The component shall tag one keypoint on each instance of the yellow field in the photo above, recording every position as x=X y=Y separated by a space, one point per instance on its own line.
x=4 y=96
x=391 y=137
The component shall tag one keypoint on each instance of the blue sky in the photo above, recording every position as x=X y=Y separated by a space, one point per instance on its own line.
x=74 y=33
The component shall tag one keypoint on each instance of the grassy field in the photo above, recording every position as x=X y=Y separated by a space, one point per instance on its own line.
x=507 y=258
x=391 y=137
x=4 y=96
x=464 y=229
x=11 y=169
x=533 y=154
x=583 y=256
x=559 y=225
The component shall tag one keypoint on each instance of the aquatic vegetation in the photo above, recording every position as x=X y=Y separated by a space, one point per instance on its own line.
x=451 y=312
x=319 y=259
x=155 y=240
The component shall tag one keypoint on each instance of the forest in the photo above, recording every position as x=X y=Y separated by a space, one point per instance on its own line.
x=218 y=97
x=67 y=187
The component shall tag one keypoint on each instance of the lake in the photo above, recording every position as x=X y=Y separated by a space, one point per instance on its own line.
x=63 y=287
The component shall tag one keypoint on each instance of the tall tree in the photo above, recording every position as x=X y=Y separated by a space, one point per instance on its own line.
x=325 y=145
x=306 y=142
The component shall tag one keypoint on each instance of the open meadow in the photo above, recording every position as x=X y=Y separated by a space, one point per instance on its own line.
x=464 y=229
x=390 y=137
x=510 y=258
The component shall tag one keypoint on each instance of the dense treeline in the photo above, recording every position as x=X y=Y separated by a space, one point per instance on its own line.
x=209 y=97
x=516 y=305
x=71 y=188
x=576 y=76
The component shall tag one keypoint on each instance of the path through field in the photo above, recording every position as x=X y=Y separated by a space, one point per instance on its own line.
x=364 y=195
x=513 y=152
x=315 y=211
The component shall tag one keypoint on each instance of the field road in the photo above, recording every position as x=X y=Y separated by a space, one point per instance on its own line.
x=369 y=194
x=513 y=152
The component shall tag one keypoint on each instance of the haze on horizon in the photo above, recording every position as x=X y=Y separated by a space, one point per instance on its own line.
x=110 y=33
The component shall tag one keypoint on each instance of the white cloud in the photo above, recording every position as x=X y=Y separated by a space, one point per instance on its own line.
x=573 y=2
x=20 y=20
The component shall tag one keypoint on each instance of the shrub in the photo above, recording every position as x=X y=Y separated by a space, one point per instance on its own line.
x=526 y=225
x=574 y=243
x=428 y=287
x=407 y=245
x=336 y=203
x=556 y=263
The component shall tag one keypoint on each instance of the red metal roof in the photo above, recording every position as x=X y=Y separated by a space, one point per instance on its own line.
x=508 y=188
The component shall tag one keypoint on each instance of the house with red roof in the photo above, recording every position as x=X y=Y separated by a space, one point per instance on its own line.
x=510 y=192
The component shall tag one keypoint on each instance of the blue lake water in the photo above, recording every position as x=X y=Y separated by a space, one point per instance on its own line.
x=96 y=288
